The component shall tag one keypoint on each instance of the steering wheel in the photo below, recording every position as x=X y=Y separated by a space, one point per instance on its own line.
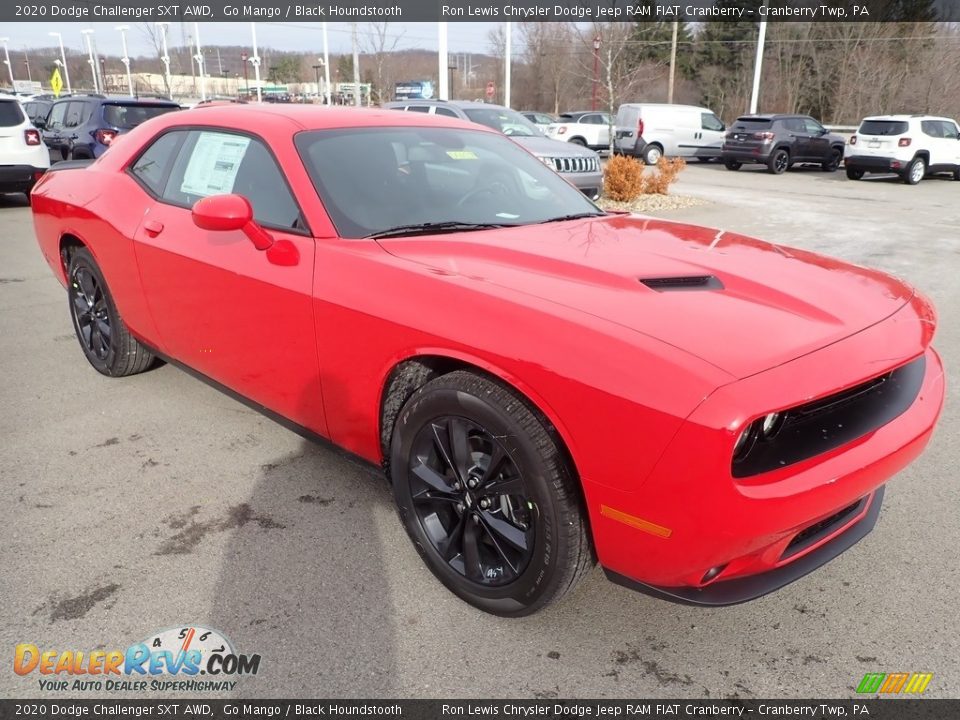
x=509 y=131
x=494 y=188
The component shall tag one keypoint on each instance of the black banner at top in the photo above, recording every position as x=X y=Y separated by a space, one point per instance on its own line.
x=481 y=10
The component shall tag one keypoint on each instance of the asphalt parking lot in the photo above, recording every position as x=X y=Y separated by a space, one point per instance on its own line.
x=151 y=502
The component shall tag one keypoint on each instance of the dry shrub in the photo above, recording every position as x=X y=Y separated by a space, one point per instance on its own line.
x=667 y=171
x=623 y=179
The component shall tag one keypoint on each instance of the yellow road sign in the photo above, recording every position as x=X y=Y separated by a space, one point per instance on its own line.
x=56 y=83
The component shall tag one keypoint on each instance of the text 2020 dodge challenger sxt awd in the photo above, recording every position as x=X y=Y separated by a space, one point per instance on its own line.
x=708 y=415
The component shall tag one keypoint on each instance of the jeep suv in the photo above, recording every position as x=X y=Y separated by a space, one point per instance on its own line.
x=578 y=165
x=23 y=158
x=779 y=142
x=912 y=146
x=83 y=126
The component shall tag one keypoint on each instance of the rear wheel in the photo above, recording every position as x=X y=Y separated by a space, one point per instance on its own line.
x=832 y=163
x=104 y=339
x=487 y=496
x=915 y=171
x=779 y=162
x=854 y=174
x=652 y=154
x=732 y=164
x=579 y=141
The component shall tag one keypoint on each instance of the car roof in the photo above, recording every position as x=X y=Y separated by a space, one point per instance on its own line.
x=119 y=98
x=309 y=117
x=905 y=118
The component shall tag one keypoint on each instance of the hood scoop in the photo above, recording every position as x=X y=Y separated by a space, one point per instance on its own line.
x=682 y=283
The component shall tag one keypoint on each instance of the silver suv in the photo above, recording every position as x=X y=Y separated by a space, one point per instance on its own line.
x=580 y=166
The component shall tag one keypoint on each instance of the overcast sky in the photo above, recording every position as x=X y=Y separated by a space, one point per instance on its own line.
x=463 y=37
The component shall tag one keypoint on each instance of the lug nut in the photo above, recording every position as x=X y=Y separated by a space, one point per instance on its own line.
x=484 y=503
x=471 y=483
x=459 y=507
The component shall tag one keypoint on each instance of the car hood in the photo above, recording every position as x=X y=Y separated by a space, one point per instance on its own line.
x=553 y=148
x=761 y=305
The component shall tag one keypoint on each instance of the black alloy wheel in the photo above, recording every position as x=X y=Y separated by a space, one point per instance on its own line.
x=103 y=337
x=488 y=495
x=471 y=500
x=832 y=163
x=779 y=162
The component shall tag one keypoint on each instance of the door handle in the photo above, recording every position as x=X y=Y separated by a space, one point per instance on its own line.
x=153 y=227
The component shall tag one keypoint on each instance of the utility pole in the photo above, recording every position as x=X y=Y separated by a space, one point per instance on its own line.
x=755 y=93
x=673 y=62
x=166 y=56
x=255 y=61
x=326 y=65
x=443 y=91
x=596 y=71
x=507 y=62
x=63 y=58
x=356 y=66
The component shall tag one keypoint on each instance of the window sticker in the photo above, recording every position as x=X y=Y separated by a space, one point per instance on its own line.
x=214 y=164
x=462 y=154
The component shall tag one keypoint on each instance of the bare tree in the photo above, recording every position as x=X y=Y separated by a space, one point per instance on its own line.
x=550 y=64
x=379 y=42
x=154 y=36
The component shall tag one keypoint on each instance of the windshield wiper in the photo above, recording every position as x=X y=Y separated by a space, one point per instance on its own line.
x=575 y=216
x=436 y=227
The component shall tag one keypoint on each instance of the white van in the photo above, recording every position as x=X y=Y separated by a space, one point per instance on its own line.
x=651 y=130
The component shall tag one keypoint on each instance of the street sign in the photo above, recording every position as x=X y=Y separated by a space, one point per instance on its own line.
x=56 y=83
x=491 y=89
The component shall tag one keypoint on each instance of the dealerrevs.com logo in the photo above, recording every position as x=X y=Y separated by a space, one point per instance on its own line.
x=191 y=659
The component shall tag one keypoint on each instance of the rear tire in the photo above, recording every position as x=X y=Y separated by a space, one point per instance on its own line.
x=779 y=162
x=578 y=141
x=915 y=171
x=103 y=337
x=854 y=174
x=832 y=164
x=652 y=154
x=732 y=164
x=487 y=496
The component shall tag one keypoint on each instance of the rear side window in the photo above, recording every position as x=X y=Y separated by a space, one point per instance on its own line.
x=446 y=112
x=129 y=116
x=419 y=108
x=883 y=127
x=10 y=114
x=57 y=115
x=153 y=167
x=77 y=114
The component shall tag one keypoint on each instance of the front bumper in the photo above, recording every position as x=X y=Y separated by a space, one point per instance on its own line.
x=690 y=525
x=589 y=183
x=19 y=178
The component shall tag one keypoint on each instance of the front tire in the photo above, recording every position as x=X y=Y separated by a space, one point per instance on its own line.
x=103 y=337
x=915 y=171
x=832 y=163
x=487 y=496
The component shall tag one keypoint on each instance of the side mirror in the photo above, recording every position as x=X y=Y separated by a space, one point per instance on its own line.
x=40 y=123
x=221 y=213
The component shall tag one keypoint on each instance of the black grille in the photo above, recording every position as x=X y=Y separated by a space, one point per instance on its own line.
x=822 y=425
x=816 y=532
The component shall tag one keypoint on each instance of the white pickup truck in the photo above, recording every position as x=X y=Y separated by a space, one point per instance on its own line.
x=591 y=129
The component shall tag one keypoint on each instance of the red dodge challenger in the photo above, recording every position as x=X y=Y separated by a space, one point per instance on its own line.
x=708 y=415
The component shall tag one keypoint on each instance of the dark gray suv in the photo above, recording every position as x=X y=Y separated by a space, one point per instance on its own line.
x=780 y=141
x=580 y=166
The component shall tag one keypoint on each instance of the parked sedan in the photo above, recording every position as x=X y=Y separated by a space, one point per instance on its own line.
x=709 y=415
x=779 y=142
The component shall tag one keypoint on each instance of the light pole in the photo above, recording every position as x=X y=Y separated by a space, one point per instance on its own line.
x=443 y=61
x=63 y=57
x=26 y=61
x=93 y=63
x=357 y=100
x=507 y=63
x=255 y=61
x=596 y=70
x=165 y=58
x=320 y=64
x=755 y=92
x=326 y=65
x=246 y=80
x=126 y=56
x=673 y=62
x=6 y=55
x=199 y=58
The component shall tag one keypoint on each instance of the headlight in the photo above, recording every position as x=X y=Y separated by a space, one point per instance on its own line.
x=546 y=161
x=771 y=424
x=745 y=441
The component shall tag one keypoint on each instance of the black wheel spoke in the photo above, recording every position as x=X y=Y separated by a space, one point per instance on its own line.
x=471 y=552
x=501 y=550
x=80 y=306
x=453 y=545
x=498 y=460
x=432 y=478
x=441 y=439
x=504 y=529
x=457 y=431
x=88 y=286
x=505 y=486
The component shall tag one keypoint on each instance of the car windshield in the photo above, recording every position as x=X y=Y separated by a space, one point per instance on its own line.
x=10 y=113
x=883 y=127
x=378 y=180
x=130 y=115
x=509 y=122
